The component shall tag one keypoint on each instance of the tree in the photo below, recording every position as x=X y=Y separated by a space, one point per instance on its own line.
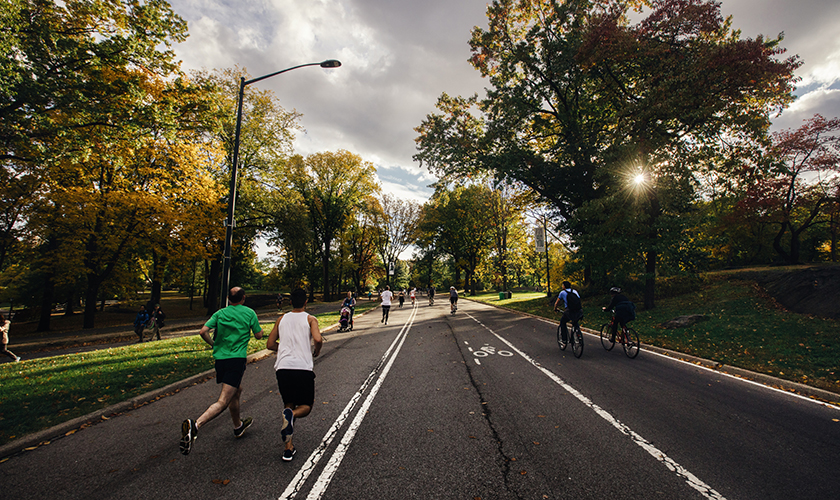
x=800 y=184
x=507 y=204
x=579 y=96
x=266 y=138
x=360 y=241
x=64 y=67
x=334 y=186
x=460 y=218
x=397 y=229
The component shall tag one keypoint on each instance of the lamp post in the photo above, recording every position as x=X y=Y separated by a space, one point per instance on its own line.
x=230 y=222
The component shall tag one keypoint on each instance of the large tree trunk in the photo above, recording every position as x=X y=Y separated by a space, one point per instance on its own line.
x=158 y=265
x=651 y=254
x=326 y=265
x=91 y=293
x=46 y=303
x=777 y=243
x=213 y=285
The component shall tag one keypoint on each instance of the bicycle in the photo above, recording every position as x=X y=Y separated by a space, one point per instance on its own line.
x=576 y=338
x=627 y=337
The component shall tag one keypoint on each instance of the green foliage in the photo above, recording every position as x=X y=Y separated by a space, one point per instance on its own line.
x=581 y=100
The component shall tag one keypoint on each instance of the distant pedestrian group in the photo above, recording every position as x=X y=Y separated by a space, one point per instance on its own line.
x=154 y=320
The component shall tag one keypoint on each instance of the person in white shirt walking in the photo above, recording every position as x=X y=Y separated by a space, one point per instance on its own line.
x=291 y=337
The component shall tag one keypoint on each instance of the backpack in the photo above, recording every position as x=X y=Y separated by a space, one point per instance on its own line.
x=625 y=311
x=573 y=303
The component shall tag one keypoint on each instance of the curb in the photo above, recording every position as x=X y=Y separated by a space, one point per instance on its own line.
x=46 y=436
x=58 y=431
x=808 y=391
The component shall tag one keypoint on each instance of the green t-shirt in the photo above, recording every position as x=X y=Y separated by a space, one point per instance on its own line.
x=233 y=326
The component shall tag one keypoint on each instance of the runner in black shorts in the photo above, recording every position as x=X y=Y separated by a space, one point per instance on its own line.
x=296 y=387
x=230 y=371
x=291 y=337
x=233 y=325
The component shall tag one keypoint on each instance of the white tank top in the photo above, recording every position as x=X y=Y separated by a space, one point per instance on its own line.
x=293 y=349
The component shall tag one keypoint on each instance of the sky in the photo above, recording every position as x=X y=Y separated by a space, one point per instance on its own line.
x=398 y=56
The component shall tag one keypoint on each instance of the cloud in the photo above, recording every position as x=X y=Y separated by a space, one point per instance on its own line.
x=398 y=56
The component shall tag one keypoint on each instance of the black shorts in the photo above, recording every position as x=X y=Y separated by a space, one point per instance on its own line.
x=297 y=387
x=452 y=299
x=230 y=371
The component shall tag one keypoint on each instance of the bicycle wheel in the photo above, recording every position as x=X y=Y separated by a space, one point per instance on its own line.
x=632 y=344
x=560 y=339
x=605 y=337
x=577 y=342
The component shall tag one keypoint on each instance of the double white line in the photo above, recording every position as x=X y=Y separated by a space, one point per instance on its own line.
x=331 y=468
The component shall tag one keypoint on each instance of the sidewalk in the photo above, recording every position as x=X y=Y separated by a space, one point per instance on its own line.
x=49 y=344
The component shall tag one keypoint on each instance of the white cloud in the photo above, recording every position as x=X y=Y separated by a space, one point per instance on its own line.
x=399 y=55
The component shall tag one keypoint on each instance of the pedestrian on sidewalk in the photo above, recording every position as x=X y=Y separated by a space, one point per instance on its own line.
x=140 y=322
x=291 y=337
x=233 y=326
x=156 y=321
x=4 y=330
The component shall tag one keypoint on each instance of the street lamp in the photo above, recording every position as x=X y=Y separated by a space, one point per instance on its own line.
x=229 y=223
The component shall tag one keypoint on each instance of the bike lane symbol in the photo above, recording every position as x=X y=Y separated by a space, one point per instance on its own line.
x=488 y=350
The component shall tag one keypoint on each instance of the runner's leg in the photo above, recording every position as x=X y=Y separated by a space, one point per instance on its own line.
x=228 y=394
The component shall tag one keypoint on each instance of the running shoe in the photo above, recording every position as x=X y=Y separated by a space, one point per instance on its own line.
x=188 y=435
x=239 y=431
x=288 y=427
x=288 y=455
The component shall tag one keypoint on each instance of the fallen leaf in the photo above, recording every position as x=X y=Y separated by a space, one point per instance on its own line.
x=523 y=472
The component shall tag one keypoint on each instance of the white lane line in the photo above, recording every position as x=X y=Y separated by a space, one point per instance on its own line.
x=323 y=481
x=477 y=361
x=308 y=467
x=692 y=480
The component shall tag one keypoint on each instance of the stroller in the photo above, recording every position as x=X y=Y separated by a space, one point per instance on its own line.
x=345 y=323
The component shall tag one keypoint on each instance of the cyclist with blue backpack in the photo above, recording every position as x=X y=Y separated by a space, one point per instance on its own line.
x=573 y=308
x=625 y=310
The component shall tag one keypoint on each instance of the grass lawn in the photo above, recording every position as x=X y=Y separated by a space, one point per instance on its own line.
x=40 y=393
x=743 y=328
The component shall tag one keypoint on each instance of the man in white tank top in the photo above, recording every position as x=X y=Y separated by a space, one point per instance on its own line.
x=291 y=337
x=386 y=297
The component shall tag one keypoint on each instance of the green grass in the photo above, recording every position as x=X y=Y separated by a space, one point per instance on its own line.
x=744 y=328
x=40 y=393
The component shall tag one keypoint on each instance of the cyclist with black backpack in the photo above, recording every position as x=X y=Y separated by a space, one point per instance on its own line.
x=625 y=310
x=572 y=304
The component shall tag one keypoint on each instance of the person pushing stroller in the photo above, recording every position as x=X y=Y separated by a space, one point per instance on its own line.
x=348 y=307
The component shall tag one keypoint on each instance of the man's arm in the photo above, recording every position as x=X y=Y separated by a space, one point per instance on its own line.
x=315 y=332
x=205 y=335
x=271 y=344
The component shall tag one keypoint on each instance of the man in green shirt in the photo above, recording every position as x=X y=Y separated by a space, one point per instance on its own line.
x=233 y=326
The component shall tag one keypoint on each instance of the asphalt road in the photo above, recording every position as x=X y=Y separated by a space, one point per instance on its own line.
x=479 y=404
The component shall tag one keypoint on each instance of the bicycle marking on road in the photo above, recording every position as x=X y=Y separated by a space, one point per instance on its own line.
x=387 y=359
x=692 y=480
x=488 y=350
